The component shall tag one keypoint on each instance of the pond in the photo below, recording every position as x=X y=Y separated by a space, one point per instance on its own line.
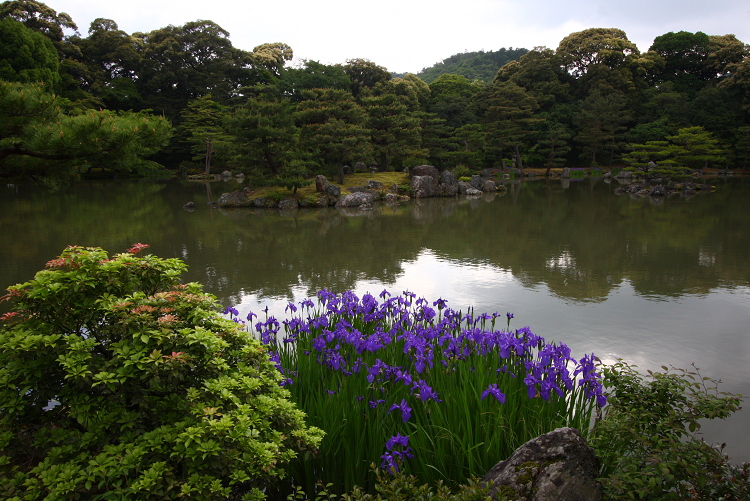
x=653 y=281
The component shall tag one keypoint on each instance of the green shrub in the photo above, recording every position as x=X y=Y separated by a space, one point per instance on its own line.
x=462 y=171
x=117 y=382
x=647 y=442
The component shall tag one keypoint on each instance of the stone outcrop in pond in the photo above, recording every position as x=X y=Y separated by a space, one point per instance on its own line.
x=557 y=466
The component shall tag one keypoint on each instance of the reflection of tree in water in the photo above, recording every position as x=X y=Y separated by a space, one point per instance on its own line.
x=581 y=242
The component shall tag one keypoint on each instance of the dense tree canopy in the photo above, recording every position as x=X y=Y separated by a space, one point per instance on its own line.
x=590 y=101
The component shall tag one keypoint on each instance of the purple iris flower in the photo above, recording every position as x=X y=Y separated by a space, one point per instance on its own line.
x=404 y=408
x=425 y=391
x=397 y=439
x=495 y=392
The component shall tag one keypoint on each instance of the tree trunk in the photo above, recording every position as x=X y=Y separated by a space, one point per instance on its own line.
x=208 y=155
x=383 y=161
x=341 y=171
x=519 y=163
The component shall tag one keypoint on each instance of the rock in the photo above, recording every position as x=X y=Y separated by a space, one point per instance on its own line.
x=487 y=173
x=189 y=205
x=565 y=173
x=356 y=189
x=607 y=175
x=288 y=204
x=235 y=199
x=473 y=192
x=355 y=199
x=462 y=187
x=226 y=174
x=360 y=167
x=489 y=186
x=321 y=183
x=557 y=466
x=476 y=182
x=373 y=185
x=447 y=177
x=333 y=190
x=347 y=170
x=446 y=190
x=365 y=207
x=657 y=191
x=392 y=198
x=624 y=174
x=394 y=189
x=426 y=170
x=423 y=186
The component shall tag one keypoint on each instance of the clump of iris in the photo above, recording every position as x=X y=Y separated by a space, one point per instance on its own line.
x=412 y=385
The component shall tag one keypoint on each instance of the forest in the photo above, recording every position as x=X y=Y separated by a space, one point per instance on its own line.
x=184 y=99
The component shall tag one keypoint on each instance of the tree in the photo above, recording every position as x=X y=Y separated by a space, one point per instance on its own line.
x=553 y=144
x=684 y=54
x=121 y=382
x=113 y=59
x=539 y=72
x=365 y=74
x=509 y=120
x=27 y=56
x=39 y=17
x=180 y=63
x=691 y=148
x=581 y=50
x=600 y=125
x=333 y=125
x=313 y=75
x=38 y=138
x=202 y=126
x=265 y=135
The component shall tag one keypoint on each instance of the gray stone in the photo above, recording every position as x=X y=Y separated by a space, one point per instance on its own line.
x=557 y=466
x=624 y=174
x=321 y=183
x=226 y=174
x=426 y=170
x=365 y=207
x=357 y=189
x=235 y=199
x=288 y=204
x=476 y=182
x=392 y=198
x=565 y=173
x=333 y=190
x=489 y=186
x=360 y=167
x=657 y=191
x=462 y=187
x=423 y=186
x=487 y=173
x=355 y=199
x=373 y=185
x=446 y=190
x=447 y=177
x=473 y=192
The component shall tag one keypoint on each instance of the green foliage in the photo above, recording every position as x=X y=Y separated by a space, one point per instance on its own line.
x=26 y=56
x=39 y=139
x=647 y=441
x=691 y=148
x=402 y=487
x=118 y=382
x=475 y=66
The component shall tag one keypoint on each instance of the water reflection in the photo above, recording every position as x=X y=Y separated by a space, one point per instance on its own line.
x=623 y=277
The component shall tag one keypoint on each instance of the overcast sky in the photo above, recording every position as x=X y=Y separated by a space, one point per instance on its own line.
x=409 y=35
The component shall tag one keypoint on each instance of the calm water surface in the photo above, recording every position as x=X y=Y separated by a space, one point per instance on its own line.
x=655 y=282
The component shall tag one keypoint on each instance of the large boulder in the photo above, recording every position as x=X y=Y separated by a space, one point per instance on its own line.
x=489 y=186
x=557 y=466
x=423 y=186
x=476 y=182
x=288 y=204
x=233 y=199
x=463 y=186
x=446 y=190
x=374 y=185
x=426 y=170
x=447 y=177
x=333 y=190
x=355 y=199
x=321 y=183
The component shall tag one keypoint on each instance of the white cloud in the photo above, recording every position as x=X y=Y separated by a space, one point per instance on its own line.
x=408 y=35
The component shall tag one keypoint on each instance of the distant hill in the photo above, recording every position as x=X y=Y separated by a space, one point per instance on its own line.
x=480 y=65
